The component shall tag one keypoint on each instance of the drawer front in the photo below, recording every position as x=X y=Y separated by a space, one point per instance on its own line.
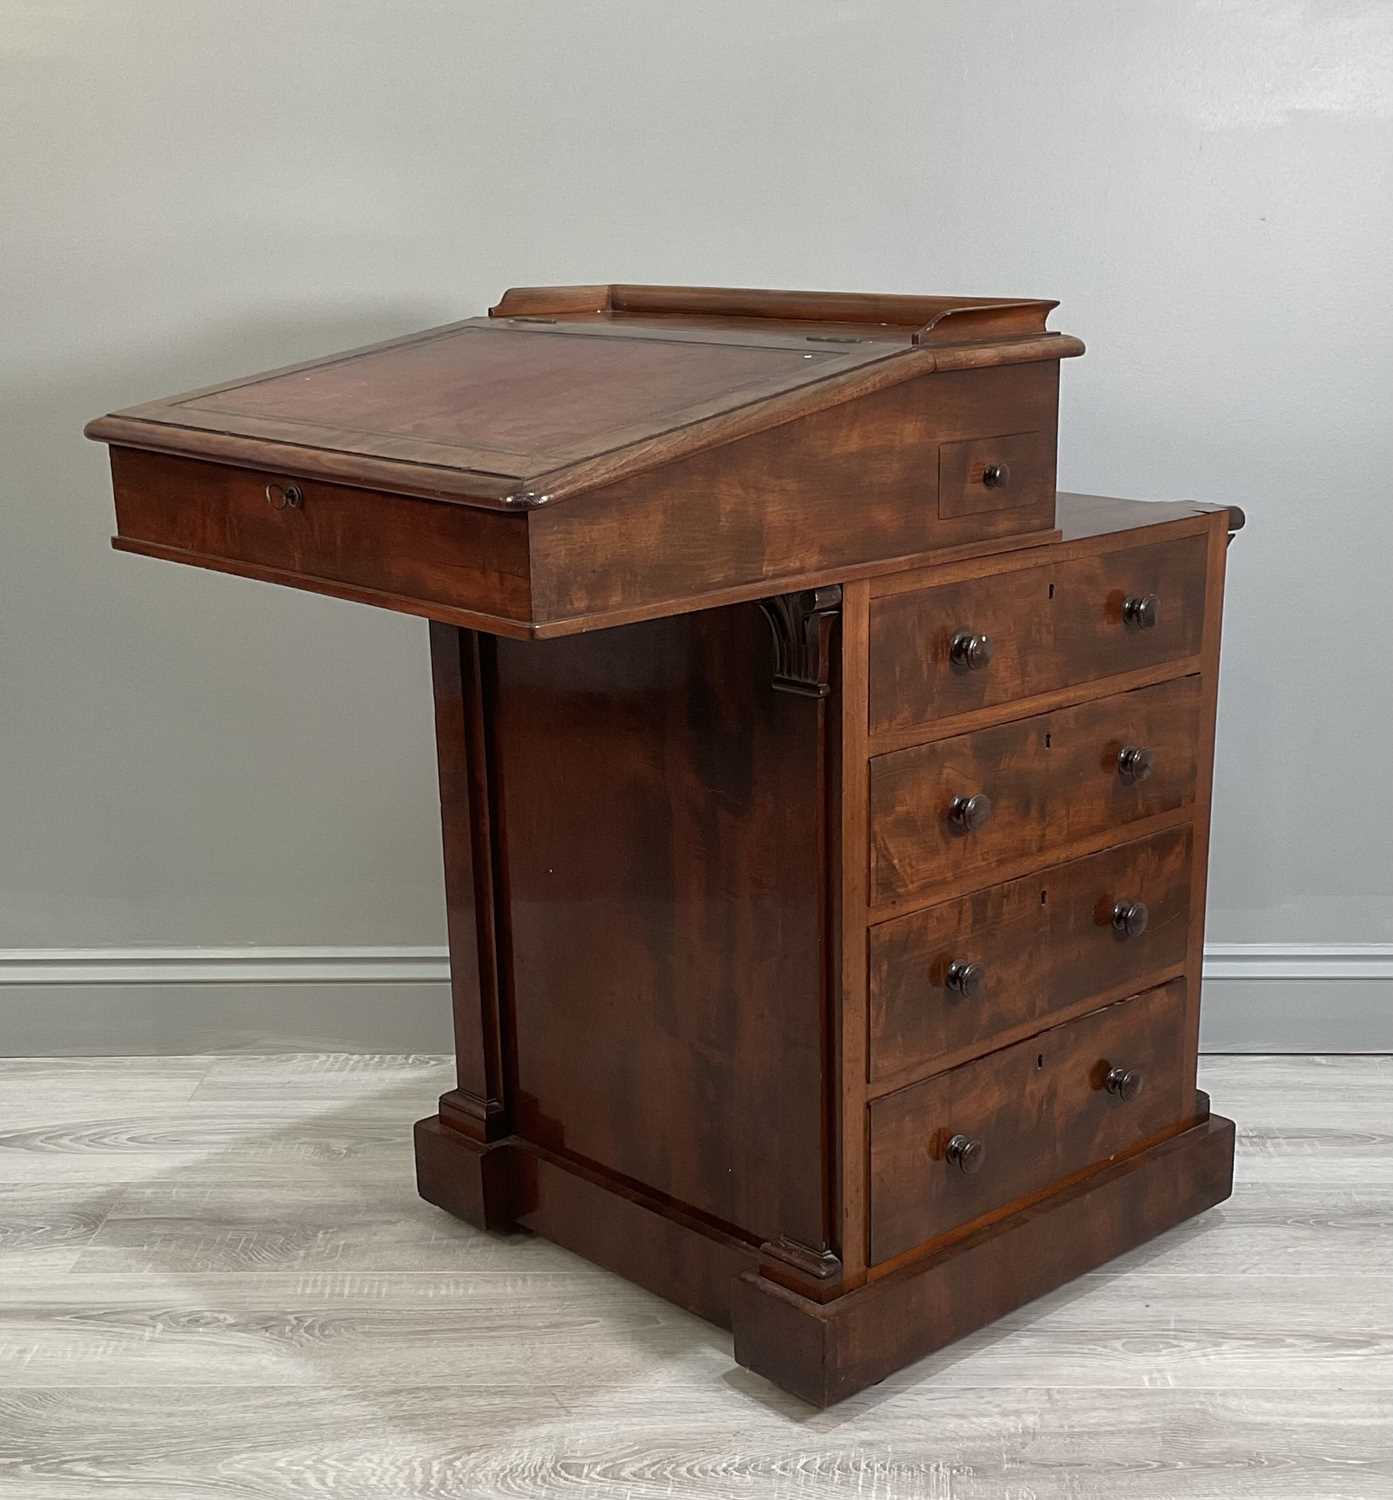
x=1048 y=779
x=1010 y=472
x=1048 y=627
x=1032 y=1113
x=314 y=534
x=958 y=975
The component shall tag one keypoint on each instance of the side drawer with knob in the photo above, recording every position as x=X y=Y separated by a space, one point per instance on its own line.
x=957 y=808
x=1008 y=1126
x=957 y=647
x=1010 y=471
x=954 y=977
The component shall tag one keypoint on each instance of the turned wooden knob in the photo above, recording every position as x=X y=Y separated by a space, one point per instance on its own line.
x=996 y=476
x=965 y=979
x=1140 y=611
x=1130 y=918
x=970 y=652
x=966 y=1153
x=1125 y=1083
x=968 y=814
x=1135 y=763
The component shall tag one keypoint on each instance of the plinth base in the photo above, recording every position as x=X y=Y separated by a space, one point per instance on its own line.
x=826 y=1351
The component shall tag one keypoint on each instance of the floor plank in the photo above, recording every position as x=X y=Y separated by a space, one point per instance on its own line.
x=44 y=1228
x=81 y=1143
x=216 y=1280
x=1292 y=1229
x=27 y=1081
x=385 y=1442
x=331 y=1076
x=316 y=1225
x=575 y=1326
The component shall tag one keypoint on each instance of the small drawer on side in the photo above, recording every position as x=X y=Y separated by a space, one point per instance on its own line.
x=956 y=809
x=1008 y=1126
x=329 y=538
x=1044 y=628
x=1011 y=472
x=957 y=976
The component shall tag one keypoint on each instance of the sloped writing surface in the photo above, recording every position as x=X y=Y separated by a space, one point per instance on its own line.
x=565 y=390
x=508 y=400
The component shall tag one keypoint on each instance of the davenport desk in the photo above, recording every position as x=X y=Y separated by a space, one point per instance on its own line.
x=825 y=800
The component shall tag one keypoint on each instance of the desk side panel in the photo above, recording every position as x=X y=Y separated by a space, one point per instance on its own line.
x=662 y=829
x=857 y=484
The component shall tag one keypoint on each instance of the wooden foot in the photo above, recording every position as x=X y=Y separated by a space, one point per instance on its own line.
x=471 y=1179
x=825 y=1352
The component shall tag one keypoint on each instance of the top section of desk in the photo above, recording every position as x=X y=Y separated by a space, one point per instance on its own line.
x=590 y=455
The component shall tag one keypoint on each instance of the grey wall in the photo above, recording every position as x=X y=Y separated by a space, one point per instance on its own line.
x=191 y=762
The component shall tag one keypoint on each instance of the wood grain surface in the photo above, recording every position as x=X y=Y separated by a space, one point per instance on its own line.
x=1050 y=627
x=688 y=1054
x=501 y=412
x=236 y=1293
x=1051 y=778
x=1041 y=944
x=1039 y=1110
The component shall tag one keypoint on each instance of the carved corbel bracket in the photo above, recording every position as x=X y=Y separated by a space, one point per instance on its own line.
x=802 y=626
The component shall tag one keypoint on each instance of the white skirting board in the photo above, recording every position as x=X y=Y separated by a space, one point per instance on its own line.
x=63 y=1002
x=1297 y=997
x=1283 y=997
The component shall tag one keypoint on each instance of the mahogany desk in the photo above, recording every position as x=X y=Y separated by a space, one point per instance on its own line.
x=825 y=801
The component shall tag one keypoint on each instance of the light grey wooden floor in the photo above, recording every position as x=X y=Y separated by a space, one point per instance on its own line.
x=216 y=1281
